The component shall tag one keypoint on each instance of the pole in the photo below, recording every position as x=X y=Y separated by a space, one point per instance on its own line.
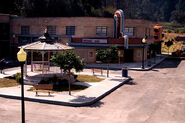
x=143 y=58
x=22 y=92
x=108 y=70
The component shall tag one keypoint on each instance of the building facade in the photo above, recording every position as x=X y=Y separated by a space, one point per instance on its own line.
x=86 y=34
x=4 y=35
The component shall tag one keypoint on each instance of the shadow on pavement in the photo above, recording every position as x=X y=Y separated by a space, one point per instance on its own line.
x=155 y=70
x=168 y=63
x=83 y=99
x=130 y=83
x=97 y=104
x=119 y=80
x=42 y=95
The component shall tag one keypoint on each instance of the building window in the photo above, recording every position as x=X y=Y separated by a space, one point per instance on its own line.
x=129 y=31
x=70 y=30
x=51 y=29
x=25 y=30
x=91 y=54
x=24 y=40
x=101 y=30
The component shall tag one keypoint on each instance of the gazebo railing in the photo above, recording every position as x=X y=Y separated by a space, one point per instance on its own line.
x=41 y=66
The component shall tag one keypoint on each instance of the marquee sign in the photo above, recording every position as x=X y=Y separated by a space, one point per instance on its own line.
x=98 y=41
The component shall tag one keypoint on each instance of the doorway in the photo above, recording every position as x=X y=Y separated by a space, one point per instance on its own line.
x=128 y=55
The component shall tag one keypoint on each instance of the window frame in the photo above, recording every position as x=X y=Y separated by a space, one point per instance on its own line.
x=25 y=30
x=130 y=31
x=102 y=30
x=70 y=30
x=51 y=29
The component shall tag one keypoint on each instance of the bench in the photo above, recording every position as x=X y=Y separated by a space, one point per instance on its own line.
x=41 y=87
x=97 y=70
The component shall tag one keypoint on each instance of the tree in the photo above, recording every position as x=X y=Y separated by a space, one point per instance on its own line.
x=108 y=55
x=68 y=61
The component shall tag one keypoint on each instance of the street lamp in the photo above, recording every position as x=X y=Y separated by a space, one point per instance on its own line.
x=143 y=42
x=21 y=56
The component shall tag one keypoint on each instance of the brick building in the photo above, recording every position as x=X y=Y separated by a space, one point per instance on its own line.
x=86 y=34
x=4 y=35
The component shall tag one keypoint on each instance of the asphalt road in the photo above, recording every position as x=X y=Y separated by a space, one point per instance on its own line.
x=156 y=96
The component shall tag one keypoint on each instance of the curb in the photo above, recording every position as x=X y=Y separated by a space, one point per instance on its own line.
x=67 y=103
x=150 y=67
x=135 y=69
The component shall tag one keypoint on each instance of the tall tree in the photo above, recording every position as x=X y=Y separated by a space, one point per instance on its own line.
x=67 y=61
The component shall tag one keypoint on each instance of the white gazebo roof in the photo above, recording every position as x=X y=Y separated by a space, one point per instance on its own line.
x=43 y=46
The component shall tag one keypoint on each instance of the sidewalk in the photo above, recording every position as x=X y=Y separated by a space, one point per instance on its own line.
x=148 y=64
x=83 y=98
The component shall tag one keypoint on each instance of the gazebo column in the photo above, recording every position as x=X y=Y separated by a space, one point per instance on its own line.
x=49 y=60
x=31 y=60
x=42 y=52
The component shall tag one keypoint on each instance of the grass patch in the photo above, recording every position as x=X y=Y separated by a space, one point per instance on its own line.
x=63 y=88
x=8 y=83
x=88 y=78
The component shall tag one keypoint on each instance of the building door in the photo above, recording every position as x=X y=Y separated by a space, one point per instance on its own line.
x=128 y=55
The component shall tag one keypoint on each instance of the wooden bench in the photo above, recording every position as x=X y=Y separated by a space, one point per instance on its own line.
x=41 y=87
x=97 y=70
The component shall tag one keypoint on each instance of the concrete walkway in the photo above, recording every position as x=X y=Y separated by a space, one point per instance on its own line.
x=86 y=97
x=148 y=64
x=83 y=98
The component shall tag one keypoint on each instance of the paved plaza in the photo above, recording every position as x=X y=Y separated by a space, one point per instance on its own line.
x=155 y=96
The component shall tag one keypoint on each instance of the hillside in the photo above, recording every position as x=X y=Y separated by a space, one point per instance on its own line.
x=171 y=31
x=161 y=10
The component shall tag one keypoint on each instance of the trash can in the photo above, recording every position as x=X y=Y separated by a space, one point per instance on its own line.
x=124 y=72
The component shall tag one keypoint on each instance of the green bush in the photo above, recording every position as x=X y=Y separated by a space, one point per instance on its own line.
x=18 y=77
x=53 y=79
x=61 y=83
x=74 y=75
x=43 y=81
x=57 y=83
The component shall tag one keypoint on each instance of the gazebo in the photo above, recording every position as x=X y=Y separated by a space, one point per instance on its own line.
x=45 y=44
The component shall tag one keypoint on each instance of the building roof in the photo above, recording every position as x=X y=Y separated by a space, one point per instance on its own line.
x=43 y=46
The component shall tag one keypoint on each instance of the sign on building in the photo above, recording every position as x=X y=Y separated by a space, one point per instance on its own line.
x=98 y=41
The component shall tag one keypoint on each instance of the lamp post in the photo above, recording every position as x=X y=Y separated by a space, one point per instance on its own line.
x=21 y=56
x=143 y=42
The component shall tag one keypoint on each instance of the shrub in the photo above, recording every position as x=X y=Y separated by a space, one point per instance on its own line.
x=18 y=77
x=74 y=75
x=43 y=81
x=61 y=83
x=53 y=79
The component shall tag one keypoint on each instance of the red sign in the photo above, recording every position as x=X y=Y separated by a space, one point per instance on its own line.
x=98 y=41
